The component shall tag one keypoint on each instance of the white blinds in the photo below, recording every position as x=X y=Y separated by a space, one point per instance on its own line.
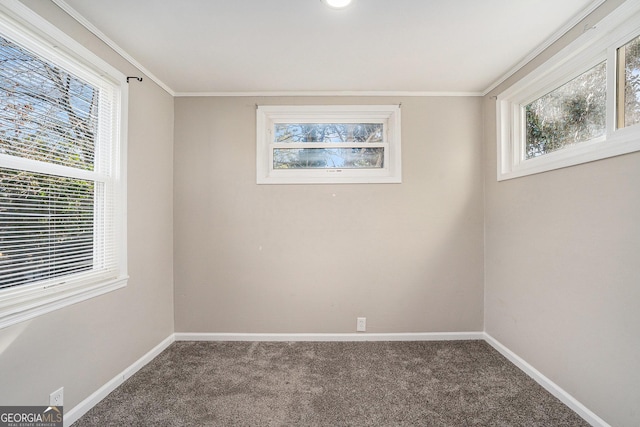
x=57 y=201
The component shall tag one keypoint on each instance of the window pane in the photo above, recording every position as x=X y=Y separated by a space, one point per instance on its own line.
x=328 y=158
x=575 y=112
x=46 y=226
x=46 y=113
x=629 y=64
x=328 y=132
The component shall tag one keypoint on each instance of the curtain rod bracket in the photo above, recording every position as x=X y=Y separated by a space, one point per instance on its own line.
x=137 y=78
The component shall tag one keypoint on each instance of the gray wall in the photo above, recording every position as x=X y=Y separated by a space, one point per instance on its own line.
x=83 y=346
x=563 y=271
x=311 y=258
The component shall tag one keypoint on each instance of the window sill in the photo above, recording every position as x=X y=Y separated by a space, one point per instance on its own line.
x=16 y=306
x=623 y=141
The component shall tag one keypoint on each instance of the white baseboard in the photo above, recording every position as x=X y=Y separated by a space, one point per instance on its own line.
x=83 y=407
x=428 y=336
x=548 y=385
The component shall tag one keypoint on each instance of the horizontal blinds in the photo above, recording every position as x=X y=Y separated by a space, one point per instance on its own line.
x=53 y=227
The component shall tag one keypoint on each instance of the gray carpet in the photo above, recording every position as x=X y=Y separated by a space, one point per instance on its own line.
x=445 y=383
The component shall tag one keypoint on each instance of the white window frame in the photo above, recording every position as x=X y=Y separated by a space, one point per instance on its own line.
x=388 y=115
x=596 y=45
x=23 y=302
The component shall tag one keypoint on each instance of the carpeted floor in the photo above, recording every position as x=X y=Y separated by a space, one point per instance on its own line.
x=444 y=383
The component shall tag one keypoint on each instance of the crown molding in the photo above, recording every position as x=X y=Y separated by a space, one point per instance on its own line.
x=113 y=45
x=329 y=93
x=541 y=48
x=555 y=37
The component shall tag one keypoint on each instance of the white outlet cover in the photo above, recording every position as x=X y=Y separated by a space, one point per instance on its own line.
x=57 y=397
x=361 y=325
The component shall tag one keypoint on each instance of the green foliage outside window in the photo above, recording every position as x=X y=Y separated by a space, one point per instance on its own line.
x=572 y=113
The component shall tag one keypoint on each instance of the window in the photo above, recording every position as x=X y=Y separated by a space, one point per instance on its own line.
x=574 y=112
x=629 y=83
x=582 y=105
x=62 y=238
x=328 y=144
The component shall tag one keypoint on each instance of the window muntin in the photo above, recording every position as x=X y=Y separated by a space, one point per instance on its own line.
x=629 y=83
x=328 y=144
x=575 y=112
x=62 y=185
x=516 y=158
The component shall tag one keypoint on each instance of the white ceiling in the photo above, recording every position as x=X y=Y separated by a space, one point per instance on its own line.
x=196 y=46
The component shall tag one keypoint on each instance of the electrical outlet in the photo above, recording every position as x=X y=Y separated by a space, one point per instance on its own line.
x=56 y=398
x=361 y=325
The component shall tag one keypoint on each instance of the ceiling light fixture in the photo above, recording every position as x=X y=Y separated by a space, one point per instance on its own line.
x=337 y=4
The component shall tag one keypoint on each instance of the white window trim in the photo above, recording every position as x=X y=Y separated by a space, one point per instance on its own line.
x=25 y=302
x=266 y=116
x=595 y=45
